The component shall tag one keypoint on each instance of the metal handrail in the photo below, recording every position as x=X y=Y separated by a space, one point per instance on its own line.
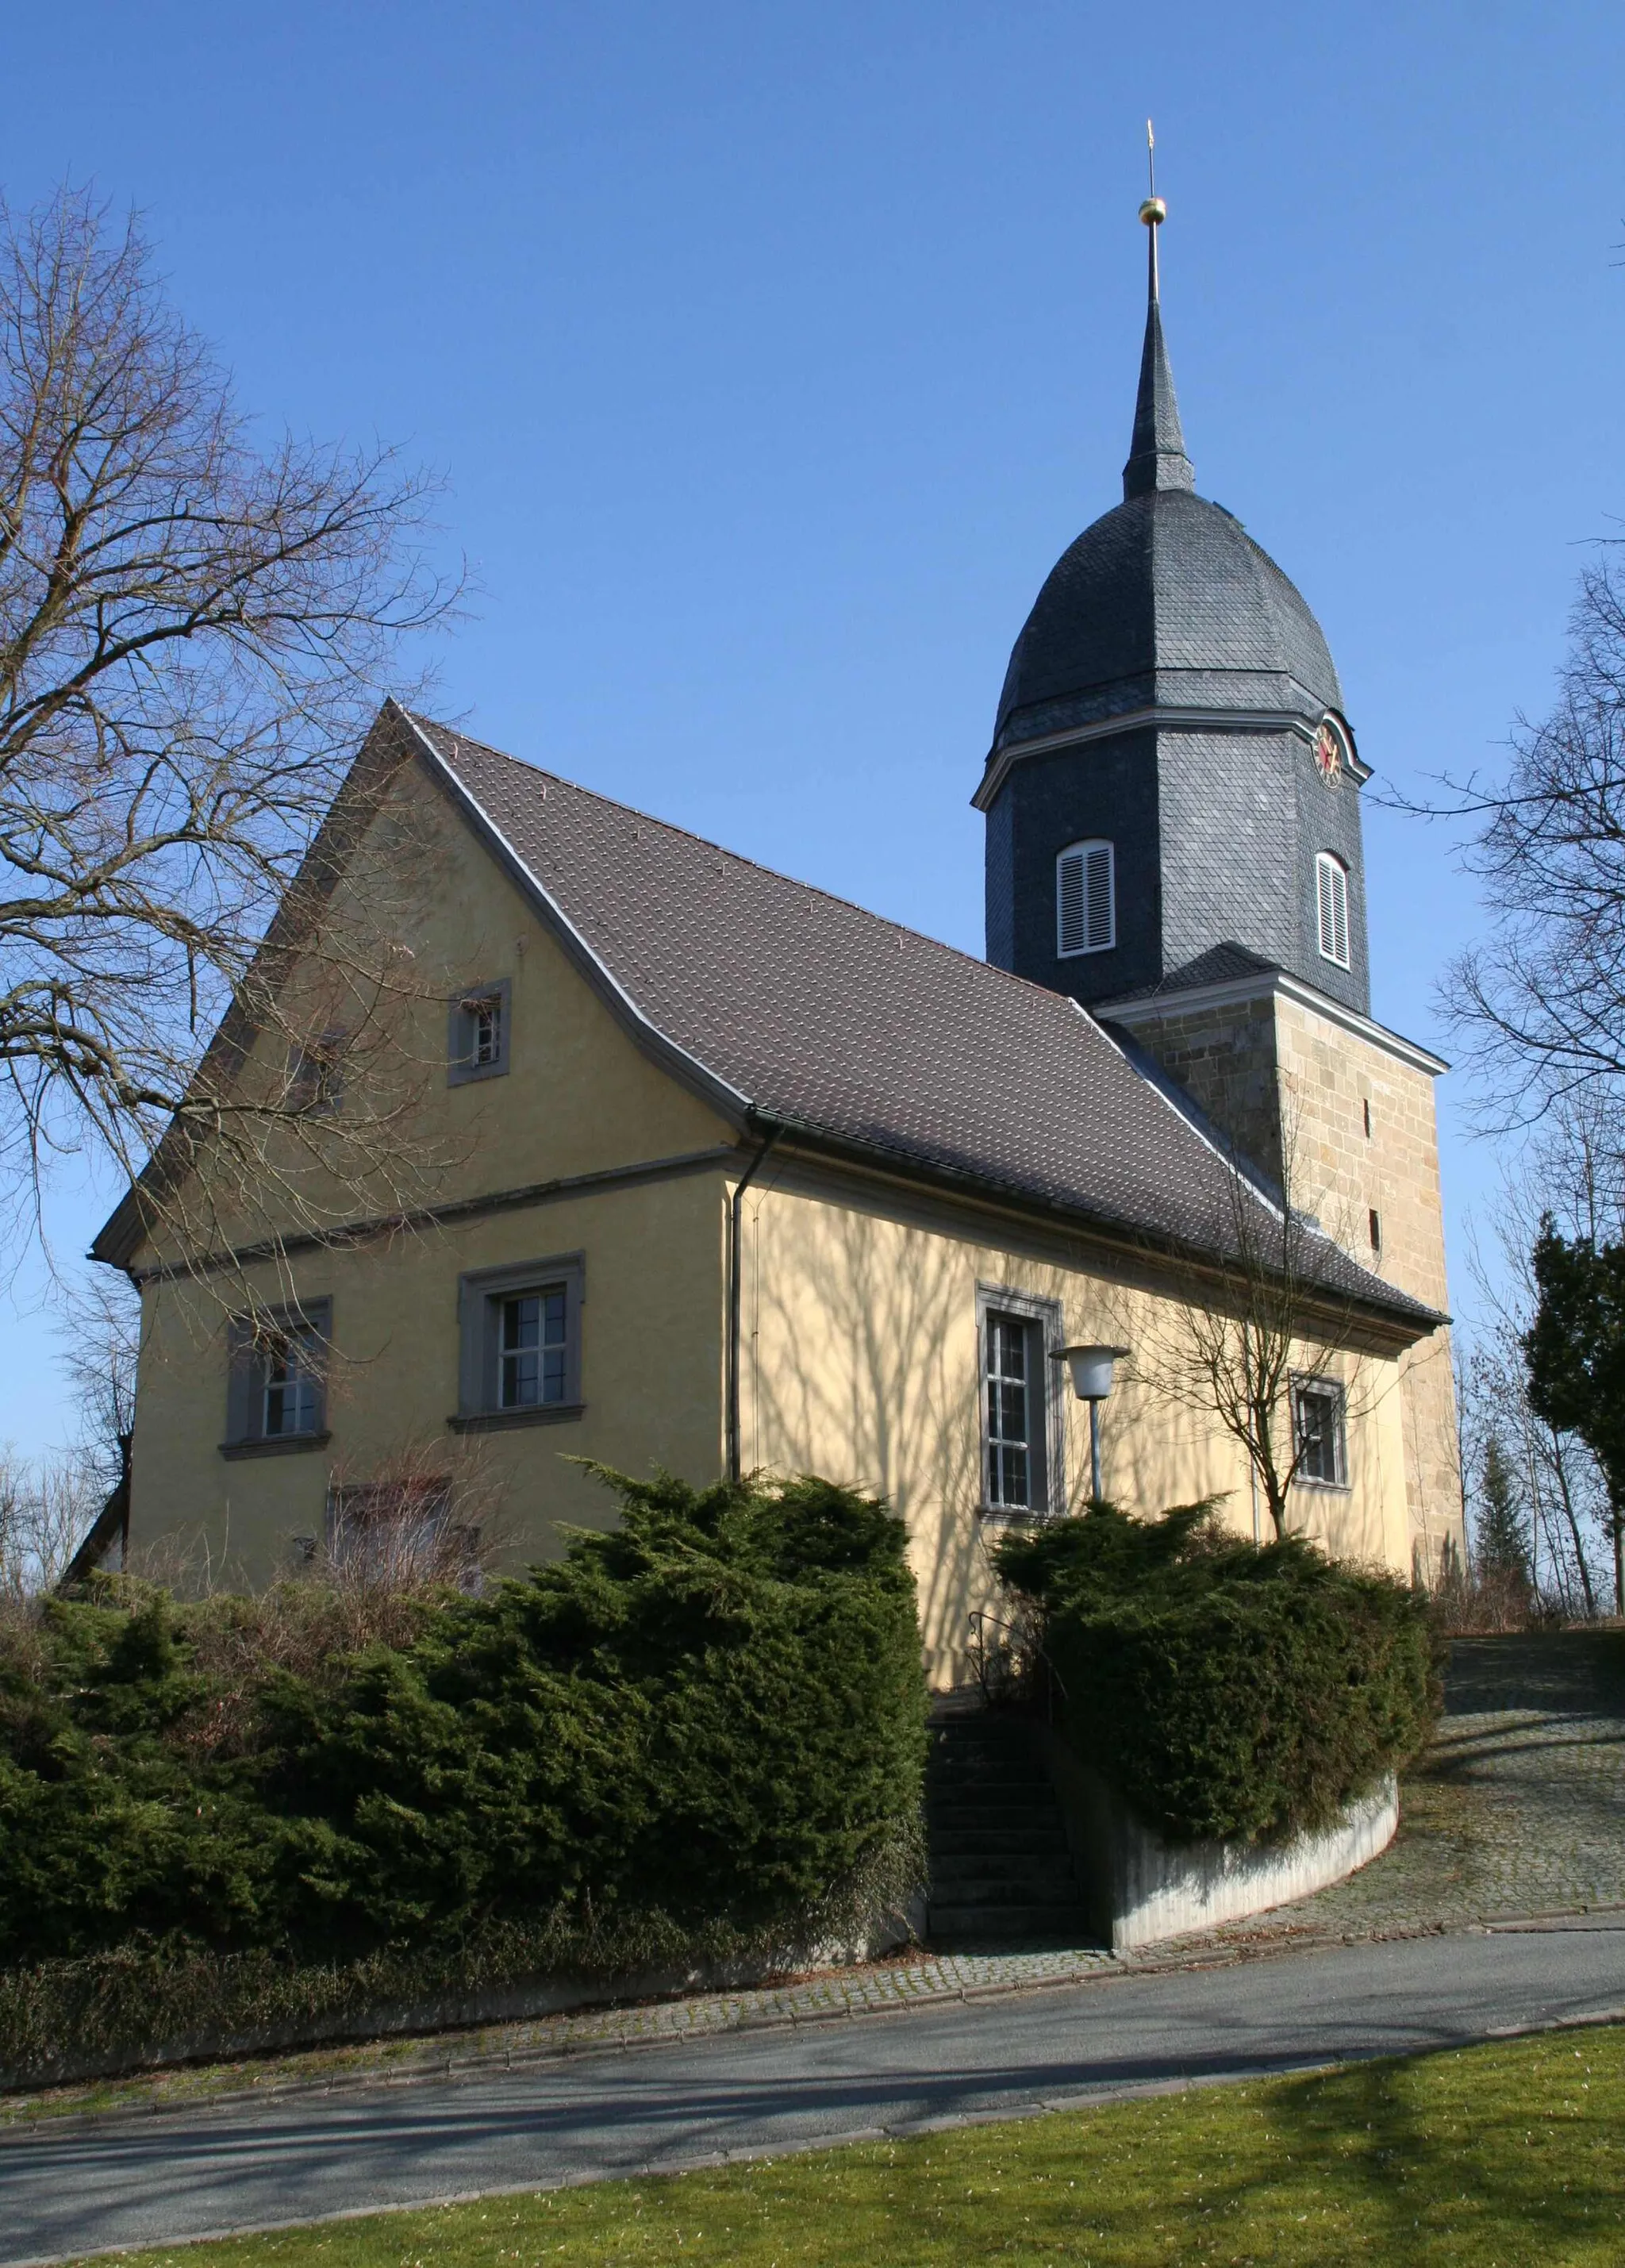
x=978 y=1615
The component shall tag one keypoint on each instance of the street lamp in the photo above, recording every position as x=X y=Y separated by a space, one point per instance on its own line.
x=1091 y=1382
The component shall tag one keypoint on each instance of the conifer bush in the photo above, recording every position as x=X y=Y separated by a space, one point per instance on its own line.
x=1226 y=1690
x=713 y=1715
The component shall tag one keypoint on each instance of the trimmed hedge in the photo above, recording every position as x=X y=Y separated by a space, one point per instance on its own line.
x=714 y=1715
x=1225 y=1691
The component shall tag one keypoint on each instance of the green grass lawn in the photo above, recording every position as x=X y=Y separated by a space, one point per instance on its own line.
x=1495 y=2155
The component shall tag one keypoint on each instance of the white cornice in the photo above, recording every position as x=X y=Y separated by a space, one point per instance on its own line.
x=1269 y=983
x=1161 y=715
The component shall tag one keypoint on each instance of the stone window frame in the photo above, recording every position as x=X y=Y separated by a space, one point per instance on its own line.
x=249 y=1339
x=480 y=1292
x=1319 y=1386
x=1046 y=1337
x=462 y=1068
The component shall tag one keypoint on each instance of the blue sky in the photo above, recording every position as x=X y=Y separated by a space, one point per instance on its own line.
x=774 y=354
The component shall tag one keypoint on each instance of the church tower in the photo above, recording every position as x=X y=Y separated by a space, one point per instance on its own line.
x=1172 y=806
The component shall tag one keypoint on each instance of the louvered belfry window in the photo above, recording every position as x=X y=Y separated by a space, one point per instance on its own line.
x=1332 y=893
x=1085 y=899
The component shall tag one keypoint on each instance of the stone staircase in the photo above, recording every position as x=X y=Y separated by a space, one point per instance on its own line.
x=1001 y=1872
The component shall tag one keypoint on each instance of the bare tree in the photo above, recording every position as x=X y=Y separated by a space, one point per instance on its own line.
x=195 y=632
x=46 y=1509
x=1541 y=1007
x=1571 y=1172
x=100 y=1336
x=1267 y=1344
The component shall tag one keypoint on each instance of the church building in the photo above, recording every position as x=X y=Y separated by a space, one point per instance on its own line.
x=740 y=1177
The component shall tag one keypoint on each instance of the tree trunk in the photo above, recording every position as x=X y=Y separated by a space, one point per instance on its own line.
x=1574 y=1526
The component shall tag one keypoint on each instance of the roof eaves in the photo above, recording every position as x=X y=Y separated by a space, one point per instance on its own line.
x=1395 y=1308
x=687 y=1069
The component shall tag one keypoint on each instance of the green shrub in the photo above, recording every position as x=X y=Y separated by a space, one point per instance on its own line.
x=715 y=1713
x=1226 y=1690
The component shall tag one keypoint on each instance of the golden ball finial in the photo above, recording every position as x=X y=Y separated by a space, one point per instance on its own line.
x=1153 y=212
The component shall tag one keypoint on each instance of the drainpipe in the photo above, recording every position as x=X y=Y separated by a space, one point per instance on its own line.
x=734 y=1204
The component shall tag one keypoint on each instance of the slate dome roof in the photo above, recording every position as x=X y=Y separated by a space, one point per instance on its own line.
x=1166 y=600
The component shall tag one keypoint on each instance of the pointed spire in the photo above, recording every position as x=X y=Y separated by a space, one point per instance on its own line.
x=1156 y=458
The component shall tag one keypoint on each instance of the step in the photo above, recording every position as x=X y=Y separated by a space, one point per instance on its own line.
x=987 y=1781
x=980 y=1882
x=1003 y=1924
x=994 y=1842
x=1005 y=1818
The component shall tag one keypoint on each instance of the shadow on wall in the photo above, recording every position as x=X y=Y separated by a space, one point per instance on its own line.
x=862 y=1364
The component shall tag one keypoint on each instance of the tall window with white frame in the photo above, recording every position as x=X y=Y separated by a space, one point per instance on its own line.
x=1085 y=899
x=1332 y=907
x=1015 y=1406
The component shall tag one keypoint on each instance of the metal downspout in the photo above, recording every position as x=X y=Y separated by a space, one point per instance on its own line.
x=740 y=1187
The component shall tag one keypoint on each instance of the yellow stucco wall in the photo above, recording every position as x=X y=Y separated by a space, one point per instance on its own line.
x=652 y=1367
x=861 y=1361
x=580 y=1098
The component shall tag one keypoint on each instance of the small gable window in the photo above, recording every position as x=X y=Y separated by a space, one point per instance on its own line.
x=477 y=1044
x=1085 y=899
x=1332 y=907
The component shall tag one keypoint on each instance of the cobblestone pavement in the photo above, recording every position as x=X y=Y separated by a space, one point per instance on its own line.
x=1517 y=1809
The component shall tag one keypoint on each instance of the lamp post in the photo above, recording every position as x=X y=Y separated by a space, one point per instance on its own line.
x=1091 y=1382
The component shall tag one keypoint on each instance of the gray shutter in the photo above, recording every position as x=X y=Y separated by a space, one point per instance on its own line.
x=1099 y=895
x=242 y=1400
x=1071 y=923
x=318 y=1315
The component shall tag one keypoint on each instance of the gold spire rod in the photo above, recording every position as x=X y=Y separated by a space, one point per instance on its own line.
x=1153 y=212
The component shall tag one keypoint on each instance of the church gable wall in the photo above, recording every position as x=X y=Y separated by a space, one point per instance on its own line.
x=578 y=1103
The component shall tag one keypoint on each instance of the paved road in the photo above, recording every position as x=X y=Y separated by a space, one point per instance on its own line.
x=150 y=2178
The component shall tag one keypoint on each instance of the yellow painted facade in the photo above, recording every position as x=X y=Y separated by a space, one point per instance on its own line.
x=859 y=1314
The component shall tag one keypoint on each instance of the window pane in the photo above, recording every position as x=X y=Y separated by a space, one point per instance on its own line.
x=1009 y=1339
x=1319 y=1414
x=292 y=1381
x=531 y=1358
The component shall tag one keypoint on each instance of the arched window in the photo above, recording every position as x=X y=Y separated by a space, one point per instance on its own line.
x=1332 y=907
x=1085 y=899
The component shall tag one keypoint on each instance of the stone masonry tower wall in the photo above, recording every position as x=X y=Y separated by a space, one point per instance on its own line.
x=1345 y=1117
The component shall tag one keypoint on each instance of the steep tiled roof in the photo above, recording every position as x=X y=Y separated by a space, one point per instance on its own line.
x=830 y=1021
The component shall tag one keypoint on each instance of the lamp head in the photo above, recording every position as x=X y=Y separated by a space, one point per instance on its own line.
x=1091 y=1369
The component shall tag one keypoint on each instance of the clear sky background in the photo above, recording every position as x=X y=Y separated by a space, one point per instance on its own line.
x=774 y=353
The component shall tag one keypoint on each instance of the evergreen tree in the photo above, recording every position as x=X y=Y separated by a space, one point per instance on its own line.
x=1503 y=1533
x=1574 y=1355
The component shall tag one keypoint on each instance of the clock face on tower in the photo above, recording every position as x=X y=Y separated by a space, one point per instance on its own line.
x=1328 y=753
